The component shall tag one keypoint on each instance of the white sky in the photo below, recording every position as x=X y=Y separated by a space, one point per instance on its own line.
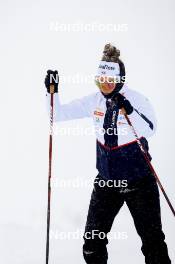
x=28 y=48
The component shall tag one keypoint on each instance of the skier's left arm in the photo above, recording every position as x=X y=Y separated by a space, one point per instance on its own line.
x=142 y=117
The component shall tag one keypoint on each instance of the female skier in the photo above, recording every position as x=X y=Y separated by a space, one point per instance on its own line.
x=118 y=158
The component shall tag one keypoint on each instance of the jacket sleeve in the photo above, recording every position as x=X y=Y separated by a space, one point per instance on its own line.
x=79 y=108
x=142 y=110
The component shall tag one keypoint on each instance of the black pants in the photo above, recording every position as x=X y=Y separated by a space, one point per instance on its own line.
x=143 y=203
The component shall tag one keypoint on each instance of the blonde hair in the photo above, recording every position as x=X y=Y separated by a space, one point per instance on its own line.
x=111 y=53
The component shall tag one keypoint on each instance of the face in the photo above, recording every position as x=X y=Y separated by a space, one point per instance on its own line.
x=105 y=84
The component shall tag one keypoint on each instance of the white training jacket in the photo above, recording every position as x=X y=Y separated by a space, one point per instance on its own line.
x=94 y=106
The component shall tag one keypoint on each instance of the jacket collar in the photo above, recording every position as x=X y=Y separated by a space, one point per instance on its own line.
x=112 y=95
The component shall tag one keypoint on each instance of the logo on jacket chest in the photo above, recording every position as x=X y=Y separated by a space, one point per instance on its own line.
x=121 y=118
x=98 y=114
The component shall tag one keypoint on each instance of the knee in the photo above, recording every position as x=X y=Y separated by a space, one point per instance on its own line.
x=154 y=237
x=154 y=243
x=94 y=250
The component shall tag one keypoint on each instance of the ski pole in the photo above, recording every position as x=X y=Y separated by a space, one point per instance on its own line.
x=49 y=173
x=149 y=162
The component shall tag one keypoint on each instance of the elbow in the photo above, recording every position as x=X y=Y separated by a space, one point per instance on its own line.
x=149 y=132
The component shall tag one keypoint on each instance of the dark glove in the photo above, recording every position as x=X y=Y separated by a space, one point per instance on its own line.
x=122 y=102
x=52 y=78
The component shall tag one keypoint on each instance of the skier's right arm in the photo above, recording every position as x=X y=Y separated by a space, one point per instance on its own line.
x=79 y=108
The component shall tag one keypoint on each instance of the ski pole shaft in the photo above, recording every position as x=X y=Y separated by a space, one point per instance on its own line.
x=49 y=177
x=149 y=163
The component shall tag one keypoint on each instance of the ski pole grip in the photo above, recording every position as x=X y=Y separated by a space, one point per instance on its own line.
x=52 y=89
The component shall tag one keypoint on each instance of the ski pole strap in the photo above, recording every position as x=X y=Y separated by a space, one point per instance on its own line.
x=145 y=118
